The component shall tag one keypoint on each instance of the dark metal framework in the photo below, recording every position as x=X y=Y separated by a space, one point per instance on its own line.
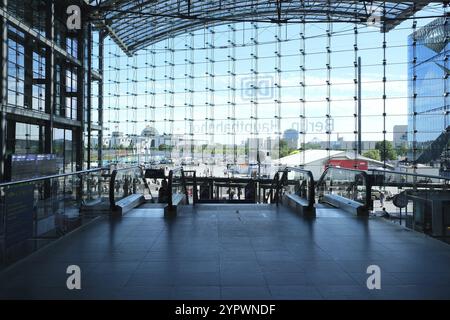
x=135 y=24
x=63 y=52
x=3 y=87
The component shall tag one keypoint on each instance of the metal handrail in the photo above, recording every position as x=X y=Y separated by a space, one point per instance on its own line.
x=10 y=183
x=127 y=168
x=194 y=184
x=273 y=185
x=279 y=184
x=410 y=174
x=170 y=183
x=312 y=187
x=364 y=175
x=189 y=181
x=112 y=182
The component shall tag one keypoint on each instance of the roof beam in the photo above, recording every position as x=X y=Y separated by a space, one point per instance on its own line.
x=110 y=31
x=115 y=15
x=391 y=24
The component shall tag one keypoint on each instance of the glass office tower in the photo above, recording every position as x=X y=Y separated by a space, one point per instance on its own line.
x=428 y=85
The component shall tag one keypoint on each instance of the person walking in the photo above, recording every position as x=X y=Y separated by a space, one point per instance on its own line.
x=382 y=199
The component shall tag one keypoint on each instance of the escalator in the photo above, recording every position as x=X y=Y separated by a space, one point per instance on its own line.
x=230 y=190
x=347 y=189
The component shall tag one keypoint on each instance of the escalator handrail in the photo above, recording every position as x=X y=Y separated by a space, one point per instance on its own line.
x=170 y=185
x=363 y=173
x=112 y=182
x=274 y=185
x=62 y=175
x=193 y=177
x=410 y=174
x=312 y=186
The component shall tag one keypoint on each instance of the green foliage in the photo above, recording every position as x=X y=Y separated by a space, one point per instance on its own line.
x=312 y=146
x=402 y=150
x=386 y=149
x=284 y=148
x=164 y=147
x=372 y=154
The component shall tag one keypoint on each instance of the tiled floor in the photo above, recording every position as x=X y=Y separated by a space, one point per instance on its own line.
x=236 y=252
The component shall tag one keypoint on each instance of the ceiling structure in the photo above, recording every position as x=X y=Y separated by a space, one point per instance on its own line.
x=135 y=24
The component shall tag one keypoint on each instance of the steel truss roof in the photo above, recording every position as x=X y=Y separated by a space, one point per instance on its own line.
x=135 y=24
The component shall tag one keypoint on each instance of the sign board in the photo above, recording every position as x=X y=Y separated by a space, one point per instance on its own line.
x=28 y=166
x=349 y=164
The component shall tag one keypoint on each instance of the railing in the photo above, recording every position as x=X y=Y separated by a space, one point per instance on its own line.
x=275 y=189
x=301 y=183
x=126 y=181
x=348 y=183
x=224 y=189
x=399 y=178
x=34 y=212
x=176 y=186
x=419 y=201
x=191 y=175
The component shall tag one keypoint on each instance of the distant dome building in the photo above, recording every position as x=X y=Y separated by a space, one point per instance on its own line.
x=149 y=132
x=151 y=137
x=291 y=137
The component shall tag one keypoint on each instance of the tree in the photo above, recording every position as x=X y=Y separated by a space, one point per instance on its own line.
x=402 y=150
x=386 y=149
x=284 y=148
x=312 y=146
x=164 y=147
x=372 y=154
x=204 y=146
x=247 y=148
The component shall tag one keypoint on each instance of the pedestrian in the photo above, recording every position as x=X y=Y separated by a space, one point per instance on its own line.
x=163 y=192
x=381 y=199
x=385 y=214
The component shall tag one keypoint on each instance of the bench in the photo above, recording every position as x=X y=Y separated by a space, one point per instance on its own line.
x=177 y=199
x=345 y=204
x=299 y=204
x=128 y=203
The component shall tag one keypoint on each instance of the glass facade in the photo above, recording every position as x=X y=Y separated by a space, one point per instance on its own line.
x=63 y=147
x=233 y=96
x=227 y=95
x=428 y=106
x=47 y=67
x=428 y=81
x=16 y=68
x=28 y=139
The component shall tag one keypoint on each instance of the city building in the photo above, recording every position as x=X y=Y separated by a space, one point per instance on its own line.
x=341 y=144
x=400 y=135
x=291 y=137
x=428 y=83
x=119 y=140
x=317 y=160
